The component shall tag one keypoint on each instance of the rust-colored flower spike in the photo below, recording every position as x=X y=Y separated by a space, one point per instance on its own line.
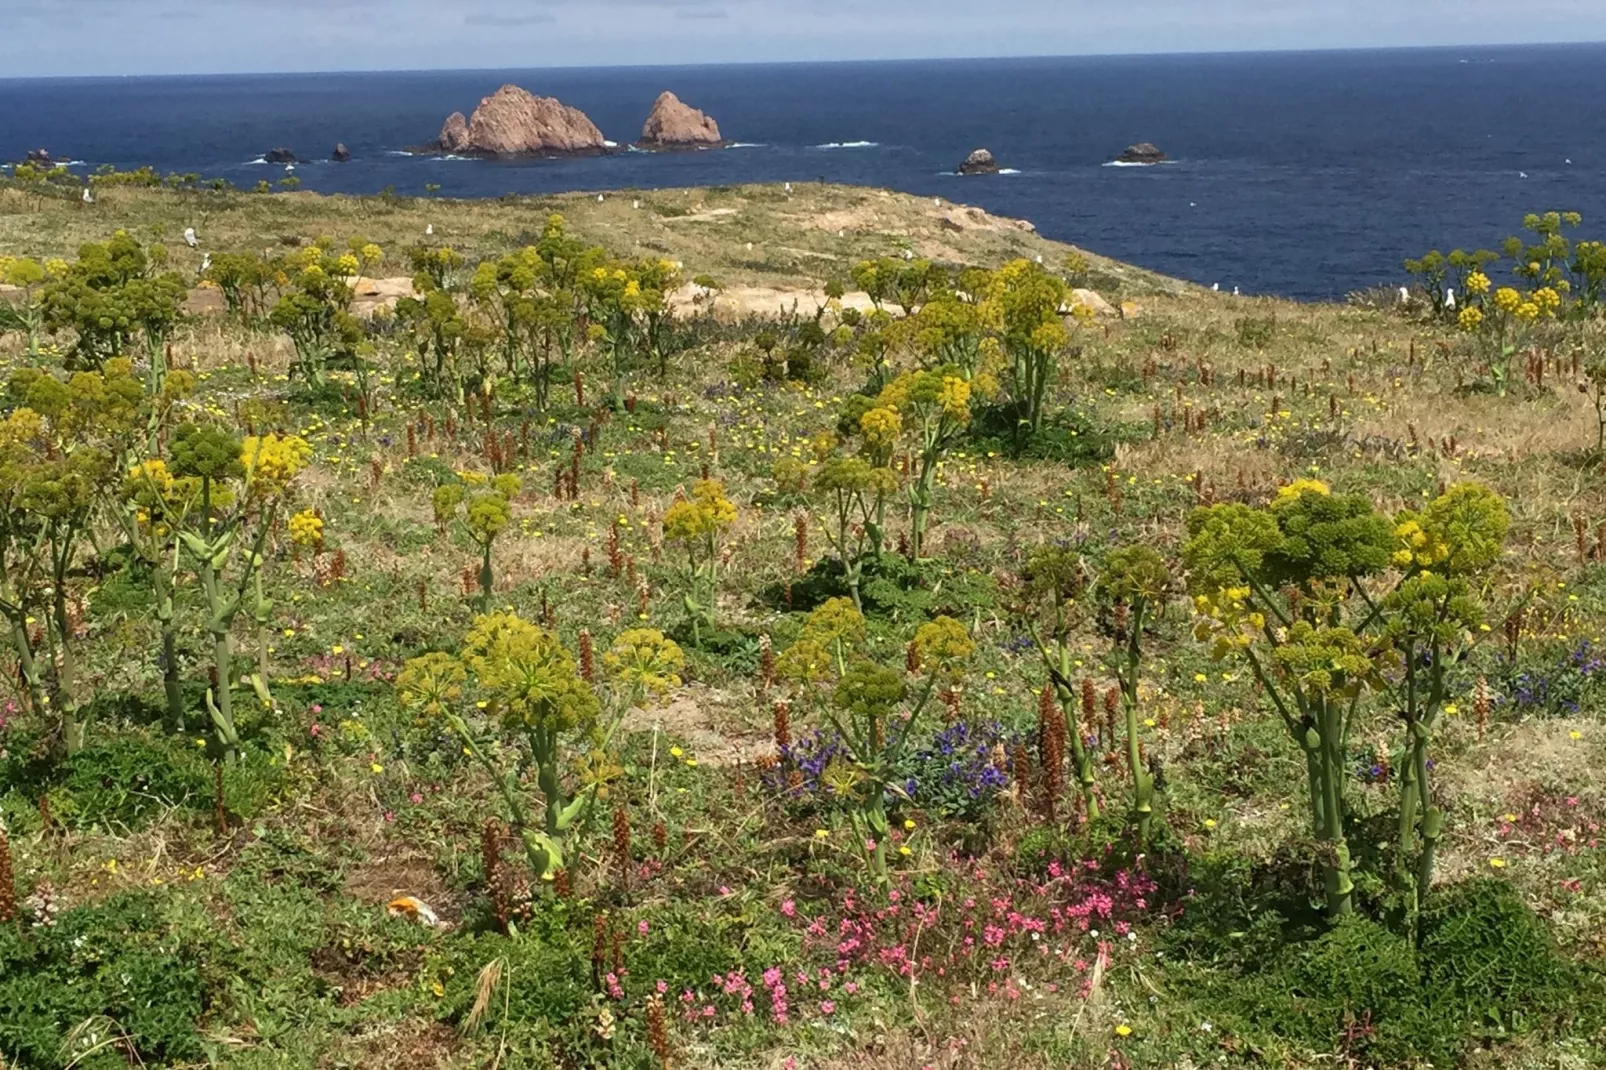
x=585 y=559
x=1581 y=538
x=599 y=947
x=950 y=702
x=635 y=494
x=911 y=659
x=658 y=1030
x=580 y=390
x=766 y=663
x=621 y=843
x=8 y=882
x=1119 y=620
x=660 y=837
x=1112 y=489
x=491 y=864
x=1051 y=748
x=1020 y=770
x=562 y=886
x=1090 y=705
x=1481 y=704
x=783 y=726
x=800 y=548
x=616 y=560
x=587 y=660
x=1112 y=699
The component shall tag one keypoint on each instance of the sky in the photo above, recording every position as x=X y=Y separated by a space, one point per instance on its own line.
x=114 y=37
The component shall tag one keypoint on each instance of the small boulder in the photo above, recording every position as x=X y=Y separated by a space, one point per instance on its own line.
x=980 y=162
x=1092 y=299
x=1143 y=152
x=341 y=153
x=280 y=155
x=674 y=124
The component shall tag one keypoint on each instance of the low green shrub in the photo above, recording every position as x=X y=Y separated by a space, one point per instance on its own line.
x=102 y=986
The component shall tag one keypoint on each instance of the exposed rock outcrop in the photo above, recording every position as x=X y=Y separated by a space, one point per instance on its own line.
x=1142 y=152
x=40 y=158
x=980 y=162
x=341 y=153
x=675 y=124
x=454 y=134
x=280 y=155
x=515 y=122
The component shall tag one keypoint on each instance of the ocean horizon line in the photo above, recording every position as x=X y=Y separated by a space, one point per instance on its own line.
x=1478 y=47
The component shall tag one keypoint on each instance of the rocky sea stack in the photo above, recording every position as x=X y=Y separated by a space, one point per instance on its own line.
x=40 y=158
x=515 y=122
x=674 y=124
x=1142 y=152
x=980 y=162
x=279 y=155
x=341 y=153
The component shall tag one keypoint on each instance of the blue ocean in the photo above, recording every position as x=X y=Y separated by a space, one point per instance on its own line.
x=1306 y=175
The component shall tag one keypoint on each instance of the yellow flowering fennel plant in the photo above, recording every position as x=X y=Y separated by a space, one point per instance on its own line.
x=1504 y=321
x=240 y=483
x=1325 y=640
x=58 y=453
x=1301 y=648
x=697 y=523
x=526 y=693
x=487 y=511
x=865 y=707
x=1432 y=619
x=936 y=404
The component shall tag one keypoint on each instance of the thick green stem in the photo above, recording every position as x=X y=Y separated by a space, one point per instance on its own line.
x=1077 y=731
x=485 y=576
x=1336 y=867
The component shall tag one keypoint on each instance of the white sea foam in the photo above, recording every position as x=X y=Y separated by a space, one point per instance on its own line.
x=610 y=144
x=850 y=145
x=745 y=145
x=1008 y=171
x=400 y=152
x=260 y=161
x=1127 y=163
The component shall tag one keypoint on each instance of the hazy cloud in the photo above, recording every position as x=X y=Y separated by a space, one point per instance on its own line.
x=485 y=18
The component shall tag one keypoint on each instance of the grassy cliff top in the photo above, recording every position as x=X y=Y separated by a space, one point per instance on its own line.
x=743 y=235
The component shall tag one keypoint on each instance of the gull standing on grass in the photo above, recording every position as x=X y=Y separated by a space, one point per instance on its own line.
x=189 y=237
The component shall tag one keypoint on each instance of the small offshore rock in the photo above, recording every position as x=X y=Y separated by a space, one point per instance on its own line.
x=675 y=124
x=1143 y=152
x=980 y=162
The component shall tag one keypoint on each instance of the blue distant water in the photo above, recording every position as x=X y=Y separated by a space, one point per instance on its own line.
x=1300 y=174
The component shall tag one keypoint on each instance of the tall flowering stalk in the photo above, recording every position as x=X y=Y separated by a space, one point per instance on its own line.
x=697 y=524
x=237 y=489
x=487 y=511
x=1135 y=579
x=935 y=406
x=1305 y=650
x=1433 y=619
x=59 y=447
x=1053 y=579
x=531 y=701
x=866 y=708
